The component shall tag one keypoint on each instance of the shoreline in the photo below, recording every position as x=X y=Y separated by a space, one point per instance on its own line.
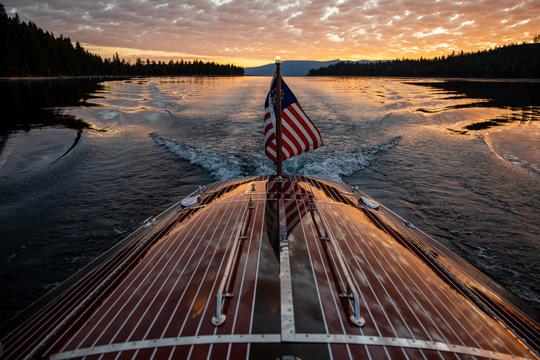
x=112 y=77
x=487 y=79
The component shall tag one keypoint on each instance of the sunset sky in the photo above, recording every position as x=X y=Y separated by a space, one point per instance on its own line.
x=253 y=32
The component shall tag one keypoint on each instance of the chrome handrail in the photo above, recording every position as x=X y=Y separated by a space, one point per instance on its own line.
x=356 y=317
x=223 y=291
x=353 y=293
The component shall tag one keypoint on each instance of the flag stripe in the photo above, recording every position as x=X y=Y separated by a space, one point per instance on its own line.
x=307 y=124
x=299 y=130
x=290 y=138
x=314 y=128
x=299 y=121
x=287 y=146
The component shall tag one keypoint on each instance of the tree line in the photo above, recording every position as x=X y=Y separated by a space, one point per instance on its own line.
x=510 y=61
x=27 y=50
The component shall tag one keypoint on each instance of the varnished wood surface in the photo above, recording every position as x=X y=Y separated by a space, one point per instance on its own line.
x=157 y=291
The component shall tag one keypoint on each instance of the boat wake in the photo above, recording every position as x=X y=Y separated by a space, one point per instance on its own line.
x=220 y=165
x=323 y=163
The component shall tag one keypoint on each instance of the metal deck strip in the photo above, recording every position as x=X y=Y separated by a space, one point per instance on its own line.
x=276 y=338
x=435 y=315
x=285 y=281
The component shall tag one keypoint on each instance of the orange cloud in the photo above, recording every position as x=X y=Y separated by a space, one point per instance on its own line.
x=253 y=32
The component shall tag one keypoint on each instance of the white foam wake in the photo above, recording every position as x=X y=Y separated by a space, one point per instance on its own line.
x=323 y=164
x=334 y=166
x=221 y=165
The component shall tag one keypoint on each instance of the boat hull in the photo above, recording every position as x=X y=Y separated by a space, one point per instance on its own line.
x=269 y=267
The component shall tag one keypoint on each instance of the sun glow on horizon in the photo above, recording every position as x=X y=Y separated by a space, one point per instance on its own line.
x=131 y=55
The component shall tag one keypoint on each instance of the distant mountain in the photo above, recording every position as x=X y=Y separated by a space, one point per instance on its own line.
x=289 y=68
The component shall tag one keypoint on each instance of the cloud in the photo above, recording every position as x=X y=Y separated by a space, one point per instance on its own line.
x=334 y=37
x=254 y=31
x=438 y=30
x=329 y=12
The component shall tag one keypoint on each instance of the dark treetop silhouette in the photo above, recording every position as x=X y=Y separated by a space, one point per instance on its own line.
x=511 y=61
x=28 y=50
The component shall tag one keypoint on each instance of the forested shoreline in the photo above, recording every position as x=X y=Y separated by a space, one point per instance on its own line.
x=28 y=51
x=510 y=61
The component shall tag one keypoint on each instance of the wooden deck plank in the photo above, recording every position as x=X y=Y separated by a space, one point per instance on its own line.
x=243 y=284
x=124 y=320
x=203 y=294
x=377 y=251
x=109 y=306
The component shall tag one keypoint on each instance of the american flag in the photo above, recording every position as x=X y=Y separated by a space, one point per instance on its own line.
x=296 y=202
x=298 y=133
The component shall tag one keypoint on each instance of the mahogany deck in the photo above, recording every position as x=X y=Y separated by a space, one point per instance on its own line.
x=154 y=295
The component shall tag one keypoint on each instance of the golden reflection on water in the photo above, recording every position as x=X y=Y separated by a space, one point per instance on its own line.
x=457 y=108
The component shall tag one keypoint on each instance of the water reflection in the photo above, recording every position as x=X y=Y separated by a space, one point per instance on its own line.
x=27 y=104
x=295 y=200
x=520 y=97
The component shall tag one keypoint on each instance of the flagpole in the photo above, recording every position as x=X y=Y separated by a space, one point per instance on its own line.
x=277 y=111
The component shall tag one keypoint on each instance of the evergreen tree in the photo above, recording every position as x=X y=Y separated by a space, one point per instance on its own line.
x=29 y=51
x=510 y=61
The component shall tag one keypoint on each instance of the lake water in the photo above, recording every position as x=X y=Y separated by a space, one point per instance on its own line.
x=84 y=162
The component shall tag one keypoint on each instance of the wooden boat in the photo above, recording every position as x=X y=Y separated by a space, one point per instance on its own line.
x=275 y=268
